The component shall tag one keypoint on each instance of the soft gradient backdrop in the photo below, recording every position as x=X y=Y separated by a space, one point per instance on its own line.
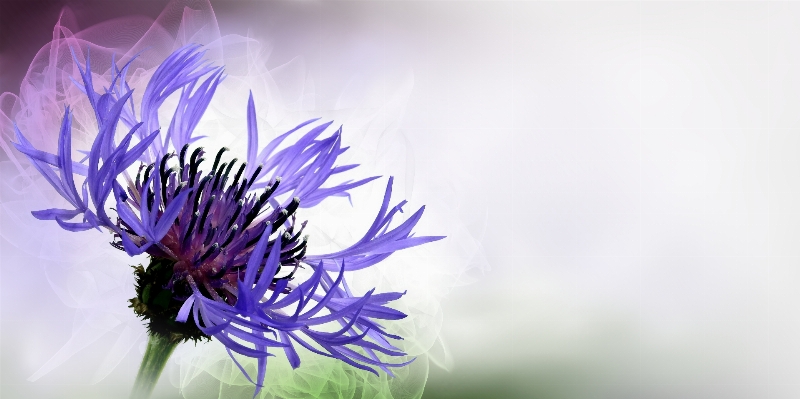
x=631 y=169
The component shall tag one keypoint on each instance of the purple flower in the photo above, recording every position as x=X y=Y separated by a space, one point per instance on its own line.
x=224 y=243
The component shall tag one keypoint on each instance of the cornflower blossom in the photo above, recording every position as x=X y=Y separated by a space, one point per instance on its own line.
x=224 y=243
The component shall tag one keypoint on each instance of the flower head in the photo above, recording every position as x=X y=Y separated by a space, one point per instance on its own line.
x=224 y=243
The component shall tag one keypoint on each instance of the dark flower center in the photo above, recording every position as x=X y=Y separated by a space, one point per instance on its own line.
x=211 y=238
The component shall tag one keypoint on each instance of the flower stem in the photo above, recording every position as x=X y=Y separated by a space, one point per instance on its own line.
x=159 y=348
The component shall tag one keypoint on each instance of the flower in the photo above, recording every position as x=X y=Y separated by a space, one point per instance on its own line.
x=224 y=245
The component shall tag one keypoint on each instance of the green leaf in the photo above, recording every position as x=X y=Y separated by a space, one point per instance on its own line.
x=162 y=299
x=146 y=293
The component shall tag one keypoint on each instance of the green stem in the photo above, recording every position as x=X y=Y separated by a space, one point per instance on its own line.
x=159 y=348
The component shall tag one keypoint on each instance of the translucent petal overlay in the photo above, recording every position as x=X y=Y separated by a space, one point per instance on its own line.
x=54 y=82
x=83 y=271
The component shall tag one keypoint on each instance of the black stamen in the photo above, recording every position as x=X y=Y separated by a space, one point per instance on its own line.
x=164 y=180
x=230 y=236
x=282 y=216
x=194 y=163
x=162 y=173
x=205 y=213
x=290 y=229
x=151 y=197
x=182 y=157
x=240 y=191
x=210 y=236
x=239 y=205
x=219 y=273
x=286 y=277
x=217 y=177
x=216 y=160
x=263 y=198
x=276 y=279
x=178 y=190
x=214 y=248
x=199 y=194
x=247 y=220
x=193 y=170
x=254 y=176
x=163 y=165
x=238 y=174
x=227 y=171
x=288 y=211
x=190 y=229
x=302 y=227
x=257 y=237
x=147 y=173
x=139 y=177
x=290 y=253
x=302 y=253
x=253 y=213
x=271 y=189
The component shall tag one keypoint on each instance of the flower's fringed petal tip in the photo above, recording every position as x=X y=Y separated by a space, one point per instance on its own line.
x=257 y=317
x=352 y=314
x=186 y=308
x=305 y=165
x=252 y=136
x=55 y=213
x=74 y=227
x=262 y=373
x=379 y=242
x=192 y=107
x=64 y=182
x=180 y=71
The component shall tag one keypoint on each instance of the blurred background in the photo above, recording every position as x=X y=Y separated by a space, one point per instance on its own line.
x=632 y=171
